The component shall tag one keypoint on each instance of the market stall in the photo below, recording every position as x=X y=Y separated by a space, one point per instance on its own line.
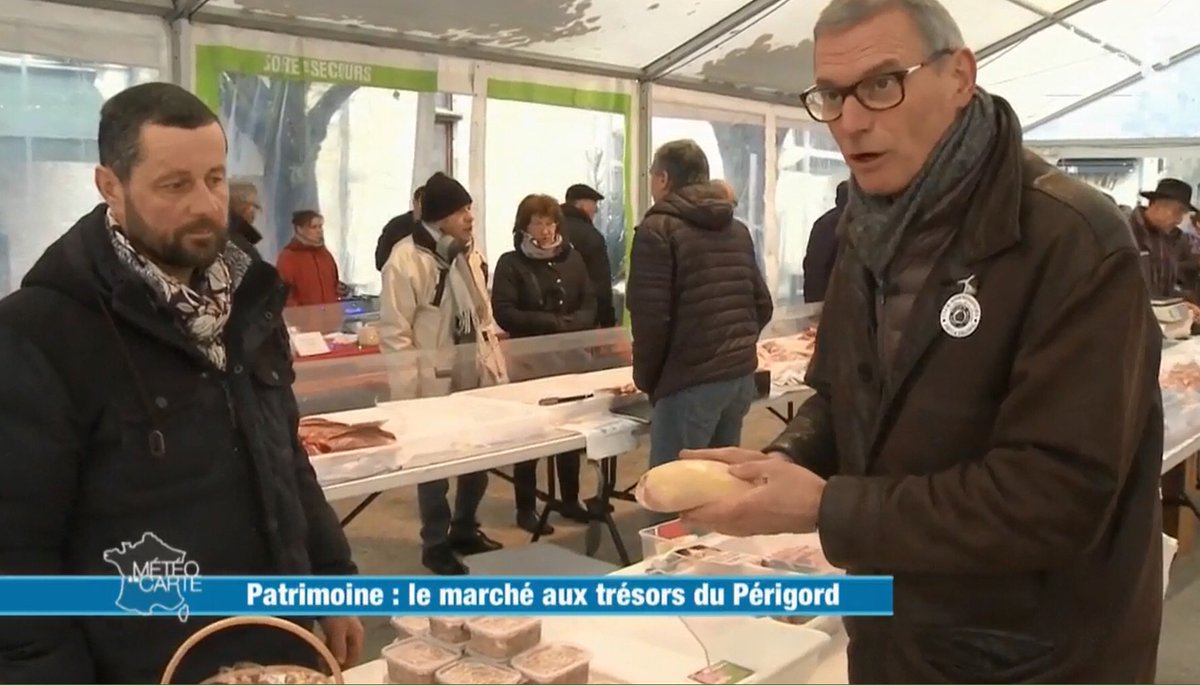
x=576 y=382
x=579 y=395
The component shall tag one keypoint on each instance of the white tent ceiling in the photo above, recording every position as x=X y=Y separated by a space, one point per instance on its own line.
x=1049 y=57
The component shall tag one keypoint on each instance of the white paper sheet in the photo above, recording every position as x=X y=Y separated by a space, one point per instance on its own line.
x=309 y=344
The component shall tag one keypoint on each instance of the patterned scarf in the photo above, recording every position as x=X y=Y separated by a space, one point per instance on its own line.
x=202 y=308
x=877 y=224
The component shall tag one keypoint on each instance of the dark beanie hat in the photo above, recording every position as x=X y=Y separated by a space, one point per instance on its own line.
x=443 y=196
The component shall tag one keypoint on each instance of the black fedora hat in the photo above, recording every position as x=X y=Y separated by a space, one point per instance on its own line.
x=1172 y=189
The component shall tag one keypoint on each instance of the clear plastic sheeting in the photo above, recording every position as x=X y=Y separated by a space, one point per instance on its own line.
x=544 y=148
x=49 y=113
x=1047 y=6
x=810 y=167
x=1151 y=30
x=1180 y=381
x=774 y=50
x=1163 y=106
x=1051 y=70
x=421 y=436
x=736 y=152
x=317 y=146
x=628 y=33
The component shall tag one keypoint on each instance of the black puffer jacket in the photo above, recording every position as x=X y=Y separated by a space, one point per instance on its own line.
x=113 y=426
x=243 y=234
x=697 y=301
x=543 y=296
x=394 y=231
x=590 y=245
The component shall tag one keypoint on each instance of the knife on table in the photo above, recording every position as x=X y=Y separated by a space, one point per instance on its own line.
x=551 y=401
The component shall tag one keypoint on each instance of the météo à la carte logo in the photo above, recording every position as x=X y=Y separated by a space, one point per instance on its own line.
x=156 y=578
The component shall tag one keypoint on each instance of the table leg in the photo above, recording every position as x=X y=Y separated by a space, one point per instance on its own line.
x=551 y=501
x=602 y=511
x=359 y=508
x=786 y=418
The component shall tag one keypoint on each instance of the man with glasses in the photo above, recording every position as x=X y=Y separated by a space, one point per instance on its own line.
x=987 y=427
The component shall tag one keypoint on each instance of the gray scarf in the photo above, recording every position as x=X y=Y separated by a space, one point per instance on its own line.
x=542 y=252
x=876 y=225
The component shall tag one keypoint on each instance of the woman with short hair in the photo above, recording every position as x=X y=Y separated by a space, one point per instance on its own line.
x=542 y=287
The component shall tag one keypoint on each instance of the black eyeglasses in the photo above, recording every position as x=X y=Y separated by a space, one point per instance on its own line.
x=878 y=92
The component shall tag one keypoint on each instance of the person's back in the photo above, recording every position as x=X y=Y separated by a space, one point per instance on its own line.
x=697 y=303
x=397 y=229
x=822 y=249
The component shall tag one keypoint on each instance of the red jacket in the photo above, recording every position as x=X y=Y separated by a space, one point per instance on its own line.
x=310 y=273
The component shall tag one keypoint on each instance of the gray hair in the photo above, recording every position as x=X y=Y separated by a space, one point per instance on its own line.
x=242 y=193
x=683 y=161
x=933 y=20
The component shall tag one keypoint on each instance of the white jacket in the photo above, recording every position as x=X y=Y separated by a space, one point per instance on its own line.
x=418 y=337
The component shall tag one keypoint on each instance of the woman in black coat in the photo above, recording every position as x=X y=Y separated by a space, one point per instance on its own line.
x=542 y=287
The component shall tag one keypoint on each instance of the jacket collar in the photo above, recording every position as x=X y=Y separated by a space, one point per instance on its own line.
x=571 y=211
x=423 y=238
x=84 y=266
x=992 y=220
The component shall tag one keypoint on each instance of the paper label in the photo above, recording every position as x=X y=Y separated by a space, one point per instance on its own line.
x=610 y=436
x=309 y=344
x=721 y=673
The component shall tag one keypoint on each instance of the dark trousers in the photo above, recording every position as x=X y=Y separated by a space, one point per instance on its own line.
x=438 y=522
x=525 y=480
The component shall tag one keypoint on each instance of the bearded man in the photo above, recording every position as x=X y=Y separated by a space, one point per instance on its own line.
x=147 y=414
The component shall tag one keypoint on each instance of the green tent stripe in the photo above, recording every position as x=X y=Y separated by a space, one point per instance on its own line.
x=213 y=60
x=562 y=96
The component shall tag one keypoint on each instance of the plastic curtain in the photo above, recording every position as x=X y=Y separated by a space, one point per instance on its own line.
x=344 y=150
x=49 y=112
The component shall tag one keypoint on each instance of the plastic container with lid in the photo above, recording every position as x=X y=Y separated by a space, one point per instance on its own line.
x=451 y=630
x=554 y=664
x=410 y=626
x=503 y=637
x=474 y=671
x=416 y=660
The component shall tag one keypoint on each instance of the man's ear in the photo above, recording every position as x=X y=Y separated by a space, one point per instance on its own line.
x=110 y=188
x=965 y=70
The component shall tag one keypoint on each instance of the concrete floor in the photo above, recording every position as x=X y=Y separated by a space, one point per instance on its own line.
x=385 y=541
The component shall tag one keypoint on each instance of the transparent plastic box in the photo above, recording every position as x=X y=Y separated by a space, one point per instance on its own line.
x=416 y=660
x=476 y=672
x=410 y=626
x=554 y=664
x=664 y=537
x=503 y=637
x=449 y=629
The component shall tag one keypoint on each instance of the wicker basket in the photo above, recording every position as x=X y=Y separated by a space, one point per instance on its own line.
x=253 y=673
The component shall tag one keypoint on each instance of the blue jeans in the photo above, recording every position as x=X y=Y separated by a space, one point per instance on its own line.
x=699 y=417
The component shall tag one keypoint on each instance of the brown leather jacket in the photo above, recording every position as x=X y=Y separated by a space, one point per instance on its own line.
x=1007 y=479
